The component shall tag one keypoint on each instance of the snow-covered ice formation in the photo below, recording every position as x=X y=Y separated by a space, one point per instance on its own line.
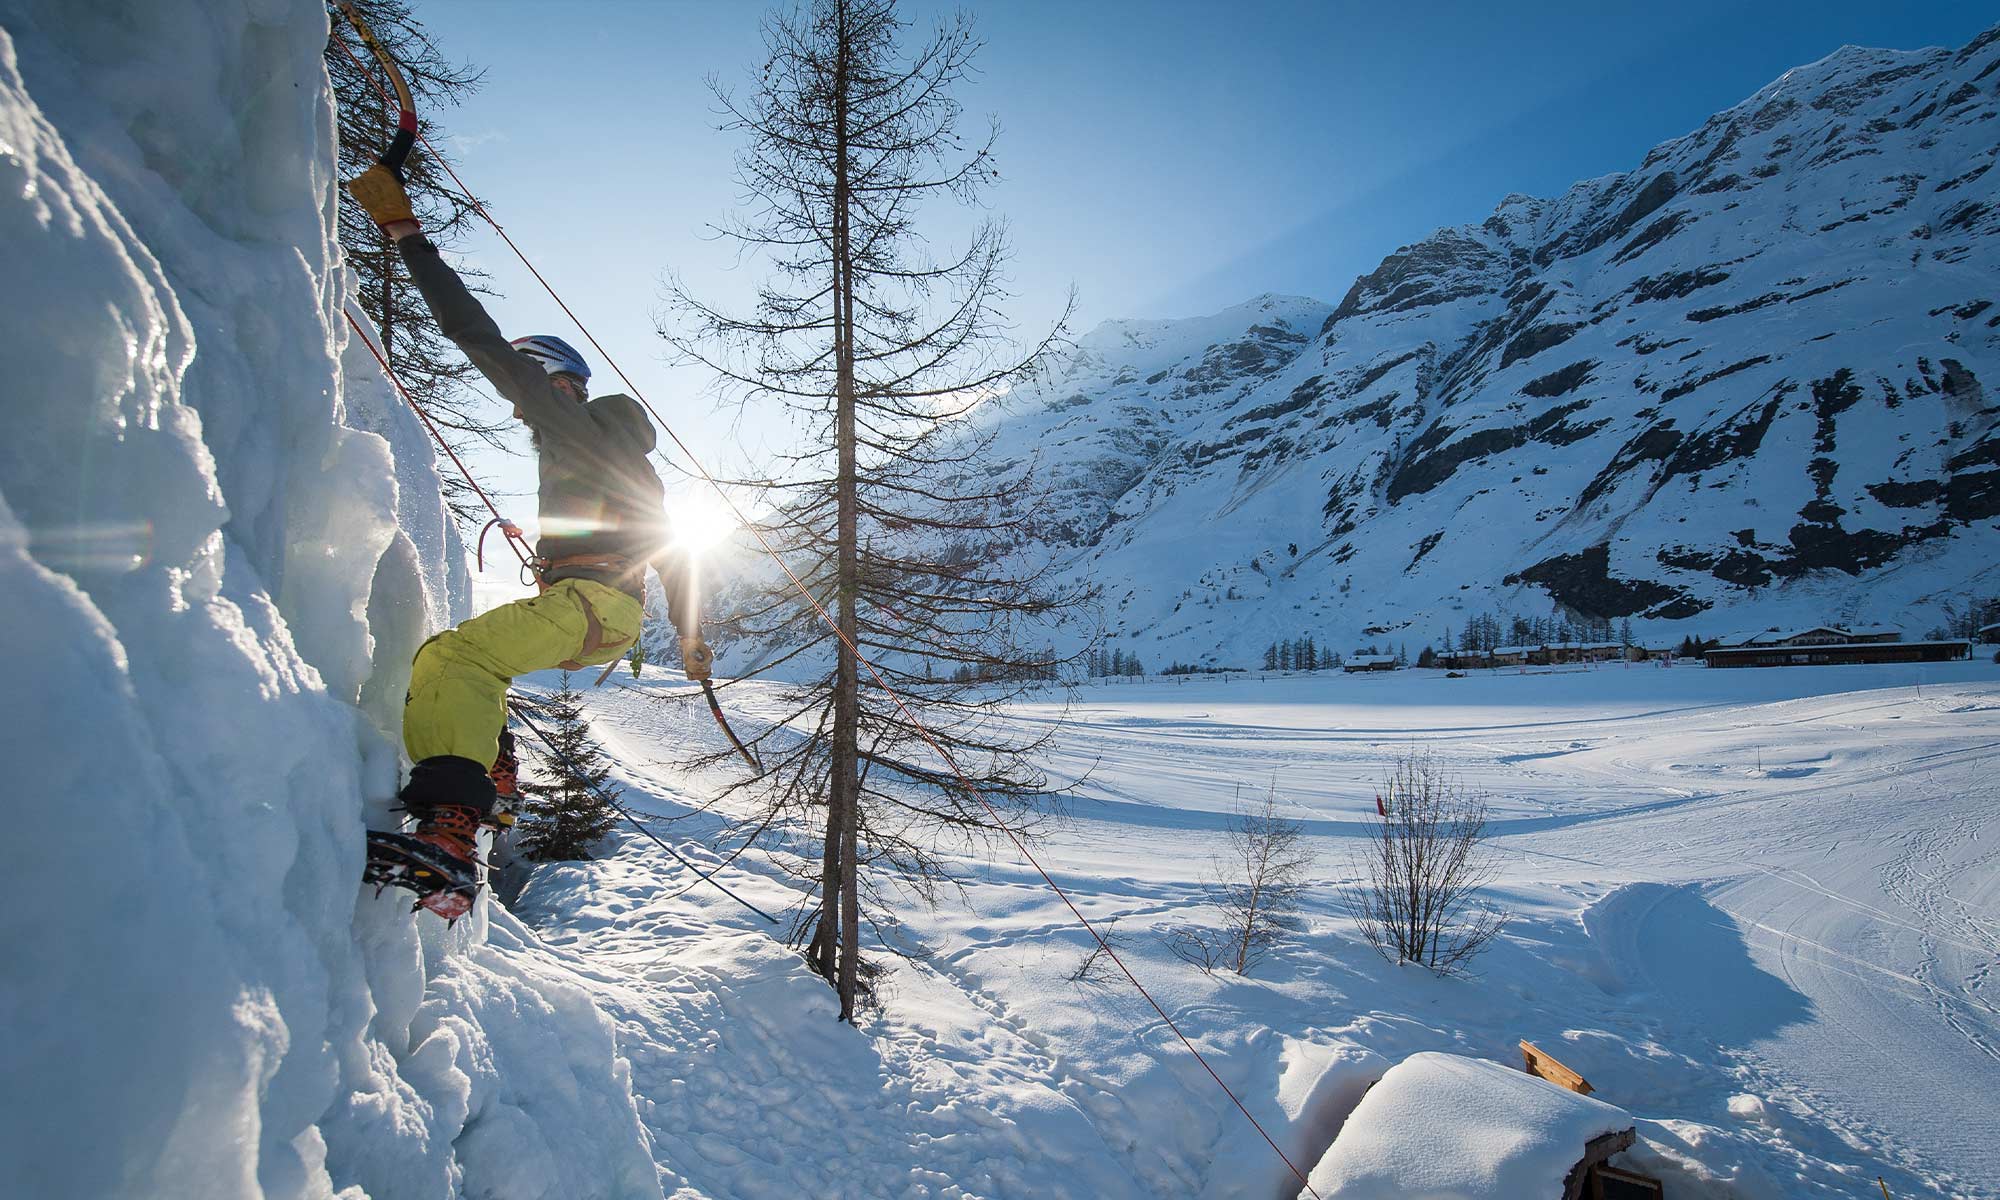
x=220 y=541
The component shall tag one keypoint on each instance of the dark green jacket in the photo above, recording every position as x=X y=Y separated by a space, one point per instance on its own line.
x=598 y=495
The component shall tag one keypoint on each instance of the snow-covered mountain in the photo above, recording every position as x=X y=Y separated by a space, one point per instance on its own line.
x=1745 y=382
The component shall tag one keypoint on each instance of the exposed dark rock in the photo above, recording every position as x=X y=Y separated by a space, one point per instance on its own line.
x=1676 y=284
x=1964 y=216
x=1658 y=190
x=1656 y=443
x=1832 y=396
x=1583 y=582
x=1536 y=339
x=1301 y=397
x=1679 y=390
x=1642 y=345
x=1971 y=49
x=1964 y=312
x=1913 y=493
x=1423 y=472
x=1652 y=235
x=1737 y=438
x=1374 y=373
x=1845 y=98
x=1768 y=117
x=1425 y=547
x=1973 y=491
x=1377 y=410
x=1739 y=567
x=1554 y=429
x=1559 y=382
x=1763 y=301
x=1962 y=385
x=1826 y=546
x=1415 y=276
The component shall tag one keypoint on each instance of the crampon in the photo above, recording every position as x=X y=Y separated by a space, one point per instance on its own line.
x=443 y=883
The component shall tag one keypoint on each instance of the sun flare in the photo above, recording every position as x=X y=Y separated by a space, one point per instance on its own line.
x=701 y=519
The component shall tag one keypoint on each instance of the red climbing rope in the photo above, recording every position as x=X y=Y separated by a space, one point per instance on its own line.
x=513 y=533
x=896 y=698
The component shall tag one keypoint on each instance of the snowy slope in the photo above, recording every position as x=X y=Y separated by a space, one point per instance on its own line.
x=1747 y=382
x=220 y=540
x=1755 y=909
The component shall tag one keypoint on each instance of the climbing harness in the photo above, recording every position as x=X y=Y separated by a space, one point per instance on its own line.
x=819 y=609
x=548 y=743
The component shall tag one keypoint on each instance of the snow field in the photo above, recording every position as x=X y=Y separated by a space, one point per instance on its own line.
x=1755 y=908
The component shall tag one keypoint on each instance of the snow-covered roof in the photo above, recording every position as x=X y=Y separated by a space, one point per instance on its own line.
x=1994 y=629
x=1370 y=659
x=1872 y=630
x=1742 y=637
x=1786 y=635
x=1441 y=1125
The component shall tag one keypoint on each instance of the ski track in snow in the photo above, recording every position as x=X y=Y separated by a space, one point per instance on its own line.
x=1757 y=909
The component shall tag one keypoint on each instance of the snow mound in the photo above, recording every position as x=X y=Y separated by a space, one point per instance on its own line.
x=1444 y=1127
x=218 y=548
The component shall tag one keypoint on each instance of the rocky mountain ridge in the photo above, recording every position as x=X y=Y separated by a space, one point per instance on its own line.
x=1745 y=382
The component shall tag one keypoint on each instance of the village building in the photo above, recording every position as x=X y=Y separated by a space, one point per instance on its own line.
x=1830 y=645
x=1989 y=633
x=1545 y=654
x=1369 y=662
x=1554 y=654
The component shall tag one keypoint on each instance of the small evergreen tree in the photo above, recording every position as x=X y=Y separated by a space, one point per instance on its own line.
x=1271 y=657
x=563 y=818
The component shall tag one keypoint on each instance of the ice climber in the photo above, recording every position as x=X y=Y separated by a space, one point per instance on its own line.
x=602 y=524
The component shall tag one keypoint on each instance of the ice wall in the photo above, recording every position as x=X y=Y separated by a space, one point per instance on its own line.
x=220 y=540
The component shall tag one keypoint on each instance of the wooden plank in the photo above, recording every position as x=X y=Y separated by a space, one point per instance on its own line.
x=1542 y=1065
x=1610 y=1183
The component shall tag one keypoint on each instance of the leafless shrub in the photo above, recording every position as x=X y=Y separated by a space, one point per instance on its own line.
x=1096 y=965
x=1255 y=894
x=1420 y=876
x=1206 y=948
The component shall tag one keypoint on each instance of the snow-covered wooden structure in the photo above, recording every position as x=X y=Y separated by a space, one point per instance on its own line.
x=1442 y=1125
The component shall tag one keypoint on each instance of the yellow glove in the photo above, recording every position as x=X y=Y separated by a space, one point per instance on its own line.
x=696 y=659
x=382 y=194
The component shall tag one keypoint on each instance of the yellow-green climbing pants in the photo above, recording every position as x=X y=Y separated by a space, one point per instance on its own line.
x=458 y=686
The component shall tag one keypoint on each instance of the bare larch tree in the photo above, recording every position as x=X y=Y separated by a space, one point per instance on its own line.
x=1256 y=891
x=433 y=370
x=885 y=515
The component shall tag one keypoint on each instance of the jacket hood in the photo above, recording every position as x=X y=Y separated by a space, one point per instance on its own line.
x=623 y=415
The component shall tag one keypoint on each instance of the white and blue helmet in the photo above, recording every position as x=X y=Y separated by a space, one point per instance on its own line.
x=556 y=356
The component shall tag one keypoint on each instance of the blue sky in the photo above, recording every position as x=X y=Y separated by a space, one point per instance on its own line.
x=1169 y=158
